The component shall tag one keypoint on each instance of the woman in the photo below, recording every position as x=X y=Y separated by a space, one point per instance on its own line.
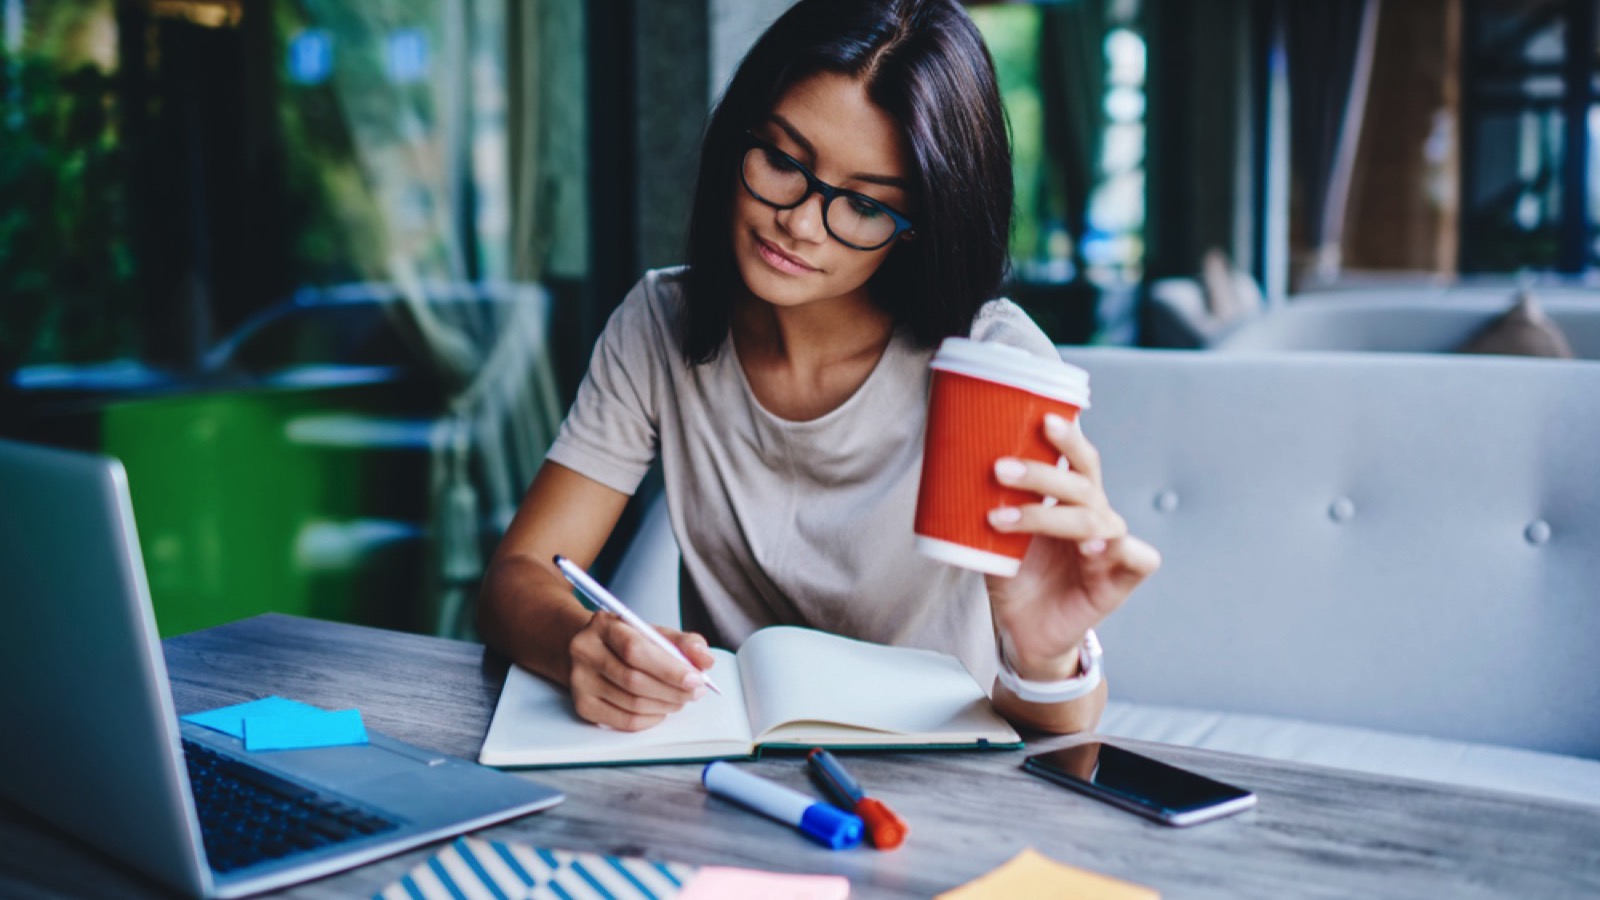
x=852 y=209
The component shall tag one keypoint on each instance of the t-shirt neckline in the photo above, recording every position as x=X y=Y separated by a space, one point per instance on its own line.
x=896 y=339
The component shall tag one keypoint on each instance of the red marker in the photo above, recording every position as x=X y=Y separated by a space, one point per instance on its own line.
x=886 y=829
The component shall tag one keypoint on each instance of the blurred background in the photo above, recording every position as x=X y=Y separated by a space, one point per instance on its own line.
x=325 y=274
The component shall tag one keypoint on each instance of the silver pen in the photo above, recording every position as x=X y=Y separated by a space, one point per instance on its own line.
x=608 y=601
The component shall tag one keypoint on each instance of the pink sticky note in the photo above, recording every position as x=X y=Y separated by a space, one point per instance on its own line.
x=723 y=883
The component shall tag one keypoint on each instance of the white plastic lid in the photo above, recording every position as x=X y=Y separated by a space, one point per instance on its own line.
x=1016 y=367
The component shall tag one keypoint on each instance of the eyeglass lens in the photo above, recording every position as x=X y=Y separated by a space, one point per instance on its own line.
x=777 y=180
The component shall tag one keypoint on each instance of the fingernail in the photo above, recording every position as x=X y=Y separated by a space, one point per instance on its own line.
x=1056 y=425
x=699 y=692
x=693 y=680
x=1009 y=470
x=1092 y=548
x=1005 y=515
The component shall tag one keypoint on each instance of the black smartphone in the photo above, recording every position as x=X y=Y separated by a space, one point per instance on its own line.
x=1139 y=784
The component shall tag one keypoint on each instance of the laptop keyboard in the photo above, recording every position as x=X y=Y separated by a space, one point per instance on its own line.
x=248 y=815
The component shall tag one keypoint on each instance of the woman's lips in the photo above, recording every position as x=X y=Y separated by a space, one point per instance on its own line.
x=780 y=260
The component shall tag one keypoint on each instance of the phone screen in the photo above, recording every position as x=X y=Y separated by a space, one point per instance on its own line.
x=1139 y=783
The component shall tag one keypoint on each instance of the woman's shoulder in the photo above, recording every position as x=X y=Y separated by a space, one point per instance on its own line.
x=1004 y=322
x=653 y=309
x=659 y=290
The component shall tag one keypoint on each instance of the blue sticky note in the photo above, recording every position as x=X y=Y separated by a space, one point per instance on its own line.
x=304 y=729
x=230 y=719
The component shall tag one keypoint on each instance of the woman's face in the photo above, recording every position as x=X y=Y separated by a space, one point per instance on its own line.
x=786 y=256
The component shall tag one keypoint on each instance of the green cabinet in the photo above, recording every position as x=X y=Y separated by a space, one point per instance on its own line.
x=277 y=499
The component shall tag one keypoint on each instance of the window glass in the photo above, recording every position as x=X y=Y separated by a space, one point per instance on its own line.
x=174 y=168
x=1520 y=178
x=1072 y=77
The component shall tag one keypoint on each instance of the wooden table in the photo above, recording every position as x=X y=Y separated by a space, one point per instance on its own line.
x=1317 y=832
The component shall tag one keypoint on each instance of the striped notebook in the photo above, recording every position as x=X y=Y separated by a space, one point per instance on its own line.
x=472 y=868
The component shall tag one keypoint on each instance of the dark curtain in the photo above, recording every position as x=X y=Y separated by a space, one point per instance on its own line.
x=524 y=93
x=1329 y=44
x=1072 y=70
x=1072 y=67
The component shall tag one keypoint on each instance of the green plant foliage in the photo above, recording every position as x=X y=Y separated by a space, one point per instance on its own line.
x=67 y=276
x=1012 y=35
x=337 y=231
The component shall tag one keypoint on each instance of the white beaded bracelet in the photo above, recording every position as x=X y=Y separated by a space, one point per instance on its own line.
x=1081 y=685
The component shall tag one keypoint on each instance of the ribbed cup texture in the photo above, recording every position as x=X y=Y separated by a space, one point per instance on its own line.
x=972 y=423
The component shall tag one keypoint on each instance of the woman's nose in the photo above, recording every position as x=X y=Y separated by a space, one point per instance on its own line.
x=805 y=221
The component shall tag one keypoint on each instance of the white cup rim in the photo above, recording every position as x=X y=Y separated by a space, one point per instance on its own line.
x=1015 y=367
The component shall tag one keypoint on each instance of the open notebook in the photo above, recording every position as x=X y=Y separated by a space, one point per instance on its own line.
x=786 y=687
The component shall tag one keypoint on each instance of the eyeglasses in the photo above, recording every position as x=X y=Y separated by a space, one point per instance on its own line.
x=783 y=182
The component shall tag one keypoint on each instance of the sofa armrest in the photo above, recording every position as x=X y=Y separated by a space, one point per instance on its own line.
x=1397 y=321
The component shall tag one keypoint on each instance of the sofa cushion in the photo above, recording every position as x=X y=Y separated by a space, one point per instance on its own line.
x=1524 y=330
x=1486 y=766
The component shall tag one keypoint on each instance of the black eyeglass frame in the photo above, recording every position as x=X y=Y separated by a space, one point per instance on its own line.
x=815 y=185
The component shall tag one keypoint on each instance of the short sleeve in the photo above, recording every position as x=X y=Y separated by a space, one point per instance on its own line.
x=1004 y=322
x=611 y=433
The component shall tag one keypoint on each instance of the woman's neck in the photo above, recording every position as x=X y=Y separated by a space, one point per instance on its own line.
x=812 y=336
x=803 y=362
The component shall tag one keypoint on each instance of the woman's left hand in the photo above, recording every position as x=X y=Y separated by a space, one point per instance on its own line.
x=1081 y=566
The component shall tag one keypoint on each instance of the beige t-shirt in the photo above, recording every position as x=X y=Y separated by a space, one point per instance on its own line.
x=783 y=522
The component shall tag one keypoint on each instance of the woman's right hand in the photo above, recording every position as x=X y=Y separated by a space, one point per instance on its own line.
x=528 y=612
x=620 y=680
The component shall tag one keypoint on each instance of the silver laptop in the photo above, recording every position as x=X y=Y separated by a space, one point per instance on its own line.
x=93 y=743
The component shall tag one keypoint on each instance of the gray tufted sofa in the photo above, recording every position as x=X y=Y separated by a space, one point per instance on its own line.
x=1381 y=561
x=1386 y=562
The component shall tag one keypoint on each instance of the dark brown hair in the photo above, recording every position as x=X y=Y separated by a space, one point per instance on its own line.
x=924 y=63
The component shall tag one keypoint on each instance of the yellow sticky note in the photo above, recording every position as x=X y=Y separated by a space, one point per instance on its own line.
x=723 y=883
x=1032 y=876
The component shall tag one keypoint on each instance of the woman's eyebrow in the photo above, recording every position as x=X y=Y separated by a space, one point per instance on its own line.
x=810 y=150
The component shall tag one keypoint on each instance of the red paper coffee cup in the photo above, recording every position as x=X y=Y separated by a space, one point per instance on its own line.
x=988 y=401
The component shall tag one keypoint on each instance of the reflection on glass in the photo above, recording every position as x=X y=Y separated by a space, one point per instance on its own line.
x=310 y=56
x=1043 y=247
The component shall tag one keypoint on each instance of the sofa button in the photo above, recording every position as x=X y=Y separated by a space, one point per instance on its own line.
x=1537 y=532
x=1342 y=510
x=1166 y=501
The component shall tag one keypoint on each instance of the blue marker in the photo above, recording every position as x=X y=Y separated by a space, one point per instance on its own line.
x=827 y=825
